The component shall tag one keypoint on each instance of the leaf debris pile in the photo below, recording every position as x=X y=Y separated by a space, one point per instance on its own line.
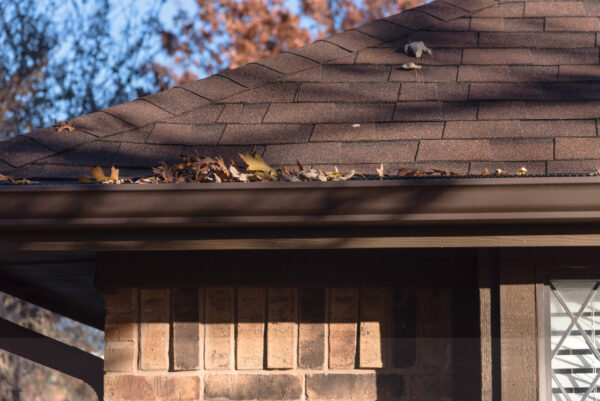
x=7 y=178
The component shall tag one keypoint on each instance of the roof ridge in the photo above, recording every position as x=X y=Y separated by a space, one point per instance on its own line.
x=217 y=88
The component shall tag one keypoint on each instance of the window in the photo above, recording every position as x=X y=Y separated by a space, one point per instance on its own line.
x=574 y=340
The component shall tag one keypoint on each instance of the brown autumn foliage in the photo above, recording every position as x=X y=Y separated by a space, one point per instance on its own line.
x=229 y=33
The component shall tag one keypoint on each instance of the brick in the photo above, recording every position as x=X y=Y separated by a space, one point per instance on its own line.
x=579 y=73
x=243 y=113
x=507 y=25
x=512 y=168
x=571 y=24
x=137 y=155
x=250 y=330
x=379 y=152
x=424 y=386
x=154 y=329
x=253 y=387
x=354 y=73
x=437 y=39
x=214 y=87
x=218 y=328
x=554 y=9
x=185 y=134
x=343 y=315
x=101 y=124
x=328 y=112
x=548 y=91
x=130 y=388
x=349 y=92
x=139 y=135
x=442 y=10
x=383 y=30
x=204 y=115
x=426 y=74
x=506 y=73
x=320 y=51
x=250 y=75
x=311 y=328
x=341 y=386
x=517 y=128
x=177 y=388
x=186 y=329
x=21 y=150
x=481 y=149
x=60 y=141
x=404 y=327
x=457 y=25
x=573 y=166
x=269 y=92
x=121 y=327
x=287 y=63
x=413 y=19
x=281 y=328
x=374 y=327
x=514 y=10
x=353 y=40
x=538 y=110
x=265 y=133
x=376 y=131
x=390 y=386
x=537 y=40
x=119 y=356
x=577 y=148
x=435 y=111
x=388 y=55
x=176 y=100
x=120 y=300
x=434 y=91
x=138 y=112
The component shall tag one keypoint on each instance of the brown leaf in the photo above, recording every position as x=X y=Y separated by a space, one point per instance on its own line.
x=85 y=180
x=5 y=177
x=380 y=171
x=98 y=174
x=485 y=171
x=63 y=126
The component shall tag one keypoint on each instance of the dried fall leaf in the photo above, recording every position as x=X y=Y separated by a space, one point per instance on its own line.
x=114 y=174
x=500 y=172
x=380 y=171
x=98 y=174
x=85 y=180
x=63 y=126
x=522 y=171
x=485 y=171
x=410 y=66
x=5 y=177
x=255 y=162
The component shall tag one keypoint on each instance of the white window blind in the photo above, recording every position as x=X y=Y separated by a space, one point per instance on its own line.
x=575 y=340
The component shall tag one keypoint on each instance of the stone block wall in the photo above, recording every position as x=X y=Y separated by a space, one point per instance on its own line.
x=279 y=343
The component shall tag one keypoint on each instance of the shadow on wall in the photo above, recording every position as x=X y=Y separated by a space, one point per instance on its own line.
x=407 y=335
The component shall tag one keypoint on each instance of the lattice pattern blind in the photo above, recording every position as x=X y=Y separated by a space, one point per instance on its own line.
x=575 y=345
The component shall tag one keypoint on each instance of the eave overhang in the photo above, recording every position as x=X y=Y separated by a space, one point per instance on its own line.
x=440 y=212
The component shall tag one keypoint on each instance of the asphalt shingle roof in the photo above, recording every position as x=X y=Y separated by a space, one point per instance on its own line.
x=510 y=83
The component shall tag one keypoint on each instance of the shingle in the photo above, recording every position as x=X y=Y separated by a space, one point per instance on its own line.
x=519 y=129
x=4 y=167
x=251 y=74
x=248 y=134
x=349 y=92
x=496 y=56
x=378 y=152
x=176 y=100
x=226 y=152
x=507 y=25
x=21 y=150
x=328 y=112
x=472 y=5
x=214 y=87
x=376 y=131
x=564 y=56
x=579 y=73
x=577 y=148
x=90 y=154
x=137 y=135
x=353 y=40
x=434 y=91
x=137 y=155
x=287 y=63
x=269 y=92
x=101 y=124
x=354 y=73
x=554 y=9
x=35 y=171
x=573 y=166
x=442 y=10
x=437 y=39
x=426 y=74
x=457 y=25
x=537 y=40
x=205 y=115
x=60 y=141
x=305 y=153
x=384 y=30
x=396 y=56
x=321 y=51
x=312 y=74
x=537 y=110
x=138 y=112
x=413 y=19
x=243 y=113
x=434 y=111
x=548 y=91
x=514 y=10
x=509 y=167
x=506 y=73
x=185 y=134
x=571 y=24
x=481 y=149
x=344 y=60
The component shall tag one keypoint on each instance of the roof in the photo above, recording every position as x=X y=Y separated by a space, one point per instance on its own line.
x=510 y=83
